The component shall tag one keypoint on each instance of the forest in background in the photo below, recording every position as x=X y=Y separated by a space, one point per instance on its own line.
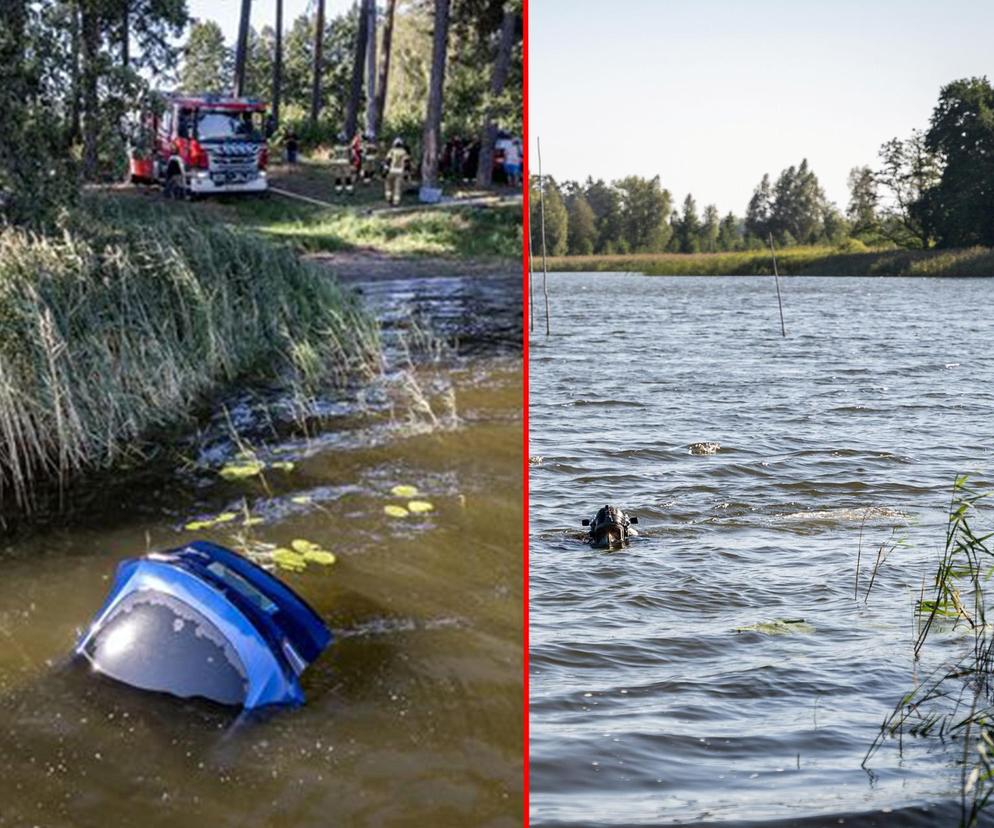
x=75 y=75
x=932 y=189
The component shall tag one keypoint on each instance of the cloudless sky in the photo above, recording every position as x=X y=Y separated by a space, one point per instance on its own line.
x=711 y=94
x=227 y=12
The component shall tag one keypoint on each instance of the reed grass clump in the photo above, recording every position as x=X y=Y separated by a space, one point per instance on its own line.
x=793 y=261
x=955 y=700
x=132 y=313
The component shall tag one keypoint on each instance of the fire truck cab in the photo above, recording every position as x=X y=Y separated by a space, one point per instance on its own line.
x=202 y=144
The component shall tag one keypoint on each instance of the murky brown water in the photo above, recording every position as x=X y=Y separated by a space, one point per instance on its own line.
x=414 y=714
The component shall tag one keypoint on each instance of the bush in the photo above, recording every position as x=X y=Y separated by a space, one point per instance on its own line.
x=125 y=320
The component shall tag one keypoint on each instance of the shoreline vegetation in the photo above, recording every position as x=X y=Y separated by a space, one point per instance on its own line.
x=793 y=261
x=123 y=322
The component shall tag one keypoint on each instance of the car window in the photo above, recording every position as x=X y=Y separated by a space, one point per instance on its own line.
x=238 y=583
x=157 y=642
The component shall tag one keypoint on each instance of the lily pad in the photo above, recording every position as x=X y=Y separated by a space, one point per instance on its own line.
x=288 y=559
x=396 y=511
x=197 y=525
x=420 y=506
x=303 y=546
x=319 y=556
x=779 y=626
x=404 y=491
x=241 y=471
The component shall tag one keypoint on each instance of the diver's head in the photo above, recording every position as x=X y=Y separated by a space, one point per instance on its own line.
x=609 y=527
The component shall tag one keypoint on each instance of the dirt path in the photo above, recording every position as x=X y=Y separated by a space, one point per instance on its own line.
x=366 y=265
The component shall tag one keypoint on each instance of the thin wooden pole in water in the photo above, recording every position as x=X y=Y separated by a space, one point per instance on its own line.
x=531 y=281
x=541 y=202
x=776 y=277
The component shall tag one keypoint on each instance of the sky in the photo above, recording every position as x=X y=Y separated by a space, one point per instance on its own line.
x=226 y=12
x=711 y=94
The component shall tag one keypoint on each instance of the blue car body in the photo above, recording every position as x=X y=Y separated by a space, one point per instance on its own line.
x=200 y=620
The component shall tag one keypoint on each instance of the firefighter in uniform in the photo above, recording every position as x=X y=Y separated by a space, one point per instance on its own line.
x=396 y=163
x=341 y=165
x=370 y=158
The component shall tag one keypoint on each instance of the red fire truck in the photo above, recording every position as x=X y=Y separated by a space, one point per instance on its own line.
x=201 y=144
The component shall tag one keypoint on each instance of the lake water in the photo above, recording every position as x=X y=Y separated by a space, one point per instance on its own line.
x=414 y=715
x=647 y=707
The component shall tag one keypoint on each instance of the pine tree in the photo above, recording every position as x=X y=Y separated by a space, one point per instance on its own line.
x=581 y=226
x=207 y=61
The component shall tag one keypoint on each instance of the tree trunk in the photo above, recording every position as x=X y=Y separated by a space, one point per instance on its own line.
x=431 y=140
x=484 y=173
x=126 y=34
x=358 y=68
x=90 y=24
x=75 y=127
x=318 y=64
x=381 y=85
x=371 y=70
x=278 y=63
x=241 y=49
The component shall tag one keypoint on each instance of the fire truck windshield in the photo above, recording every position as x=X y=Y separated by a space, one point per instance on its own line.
x=221 y=125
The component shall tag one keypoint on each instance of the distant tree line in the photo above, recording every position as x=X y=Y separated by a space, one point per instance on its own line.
x=934 y=188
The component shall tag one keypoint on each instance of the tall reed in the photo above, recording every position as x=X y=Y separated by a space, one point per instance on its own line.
x=956 y=699
x=125 y=319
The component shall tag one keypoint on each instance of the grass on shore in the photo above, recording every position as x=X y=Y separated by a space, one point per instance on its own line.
x=466 y=233
x=794 y=261
x=134 y=313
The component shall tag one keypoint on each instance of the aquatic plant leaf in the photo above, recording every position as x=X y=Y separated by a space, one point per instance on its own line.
x=303 y=546
x=283 y=465
x=420 y=506
x=404 y=491
x=225 y=517
x=288 y=559
x=240 y=471
x=319 y=556
x=779 y=626
x=252 y=521
x=396 y=511
x=302 y=499
x=197 y=525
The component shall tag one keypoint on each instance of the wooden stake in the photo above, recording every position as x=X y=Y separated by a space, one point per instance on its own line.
x=776 y=276
x=531 y=281
x=545 y=268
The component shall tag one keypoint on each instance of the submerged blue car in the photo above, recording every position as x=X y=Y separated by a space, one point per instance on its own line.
x=201 y=620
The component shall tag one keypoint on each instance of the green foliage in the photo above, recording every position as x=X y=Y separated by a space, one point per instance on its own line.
x=849 y=259
x=962 y=133
x=133 y=313
x=582 y=226
x=956 y=698
x=644 y=208
x=909 y=170
x=470 y=233
x=863 y=201
x=207 y=61
x=37 y=174
x=687 y=227
x=556 y=218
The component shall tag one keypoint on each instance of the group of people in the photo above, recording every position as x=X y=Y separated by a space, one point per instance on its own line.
x=461 y=159
x=358 y=161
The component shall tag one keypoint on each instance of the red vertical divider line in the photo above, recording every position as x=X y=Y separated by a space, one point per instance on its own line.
x=525 y=238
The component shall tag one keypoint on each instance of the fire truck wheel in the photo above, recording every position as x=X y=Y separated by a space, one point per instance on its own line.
x=174 y=186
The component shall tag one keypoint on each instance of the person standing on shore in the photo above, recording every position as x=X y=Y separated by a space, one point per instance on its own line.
x=512 y=162
x=396 y=165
